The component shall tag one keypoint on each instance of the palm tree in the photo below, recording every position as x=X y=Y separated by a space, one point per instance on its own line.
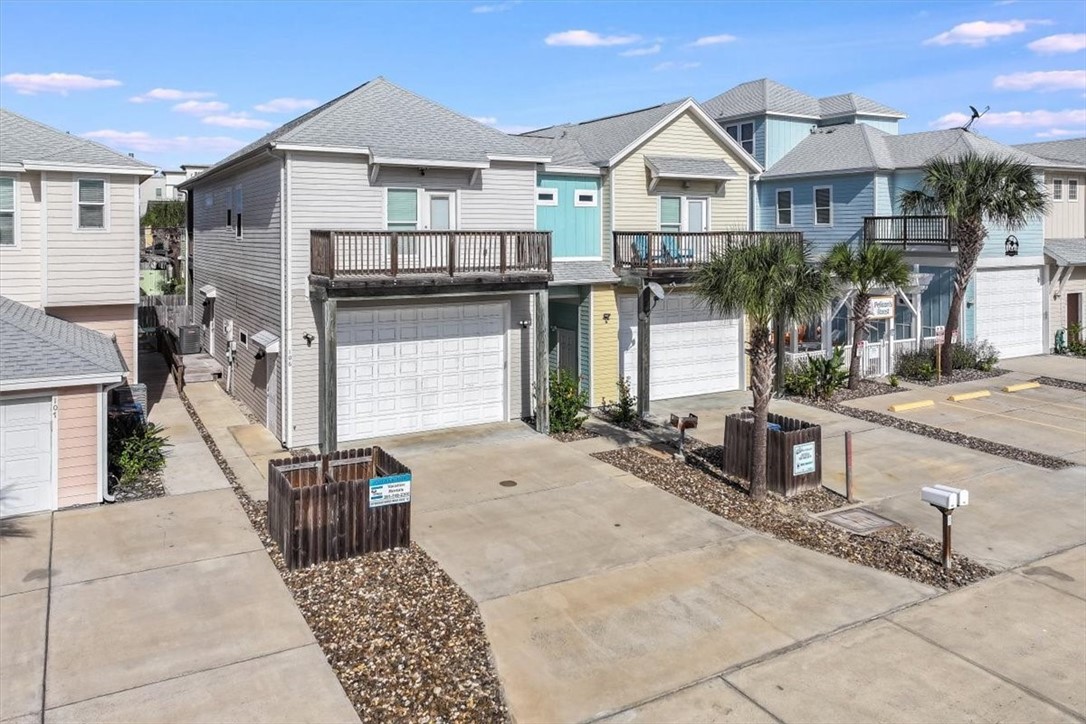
x=972 y=189
x=865 y=268
x=769 y=280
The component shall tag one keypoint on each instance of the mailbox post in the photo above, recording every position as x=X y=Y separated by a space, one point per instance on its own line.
x=945 y=499
x=690 y=422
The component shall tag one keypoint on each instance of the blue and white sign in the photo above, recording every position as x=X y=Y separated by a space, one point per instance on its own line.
x=390 y=490
x=803 y=458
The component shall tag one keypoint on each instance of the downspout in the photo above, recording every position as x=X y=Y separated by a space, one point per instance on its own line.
x=107 y=496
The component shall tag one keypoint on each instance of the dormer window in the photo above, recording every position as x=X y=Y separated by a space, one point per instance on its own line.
x=744 y=133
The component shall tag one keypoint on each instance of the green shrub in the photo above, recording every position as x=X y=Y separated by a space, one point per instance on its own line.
x=135 y=448
x=817 y=377
x=987 y=356
x=916 y=365
x=567 y=402
x=895 y=381
x=1076 y=345
x=963 y=356
x=623 y=411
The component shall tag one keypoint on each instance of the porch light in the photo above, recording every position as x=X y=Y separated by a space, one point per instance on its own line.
x=1011 y=245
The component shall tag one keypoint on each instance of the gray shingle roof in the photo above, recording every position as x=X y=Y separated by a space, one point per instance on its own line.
x=564 y=152
x=859 y=147
x=762 y=96
x=1067 y=252
x=393 y=123
x=582 y=272
x=22 y=139
x=1069 y=152
x=684 y=167
x=602 y=138
x=847 y=104
x=34 y=345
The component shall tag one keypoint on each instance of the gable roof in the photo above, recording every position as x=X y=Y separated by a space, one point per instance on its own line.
x=34 y=345
x=762 y=96
x=1067 y=252
x=1069 y=152
x=848 y=104
x=23 y=140
x=388 y=122
x=859 y=147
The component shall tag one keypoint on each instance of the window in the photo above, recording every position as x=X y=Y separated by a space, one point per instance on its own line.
x=237 y=212
x=243 y=338
x=584 y=197
x=1072 y=189
x=744 y=133
x=1057 y=189
x=671 y=213
x=546 y=197
x=158 y=193
x=7 y=211
x=823 y=205
x=784 y=207
x=92 y=203
x=402 y=213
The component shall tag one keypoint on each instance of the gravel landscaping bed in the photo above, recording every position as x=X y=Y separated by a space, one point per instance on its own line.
x=405 y=641
x=1065 y=384
x=899 y=550
x=581 y=433
x=145 y=487
x=866 y=388
x=965 y=375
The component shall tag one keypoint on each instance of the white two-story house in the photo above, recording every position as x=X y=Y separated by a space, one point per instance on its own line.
x=69 y=279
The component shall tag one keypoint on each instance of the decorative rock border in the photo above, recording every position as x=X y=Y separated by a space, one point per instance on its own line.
x=1065 y=384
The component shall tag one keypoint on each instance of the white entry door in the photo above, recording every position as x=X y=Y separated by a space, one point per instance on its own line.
x=415 y=368
x=693 y=351
x=1010 y=311
x=26 y=455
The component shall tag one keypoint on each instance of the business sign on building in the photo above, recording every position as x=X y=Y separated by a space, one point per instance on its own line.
x=881 y=308
x=390 y=490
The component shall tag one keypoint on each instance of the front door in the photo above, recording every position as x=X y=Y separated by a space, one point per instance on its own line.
x=695 y=215
x=440 y=212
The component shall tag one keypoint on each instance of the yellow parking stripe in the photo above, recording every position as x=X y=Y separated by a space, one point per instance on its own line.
x=1019 y=419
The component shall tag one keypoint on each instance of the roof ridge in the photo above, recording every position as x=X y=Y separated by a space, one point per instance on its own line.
x=867 y=142
x=618 y=115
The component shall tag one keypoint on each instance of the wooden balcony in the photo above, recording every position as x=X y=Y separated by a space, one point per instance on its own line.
x=675 y=254
x=929 y=232
x=435 y=260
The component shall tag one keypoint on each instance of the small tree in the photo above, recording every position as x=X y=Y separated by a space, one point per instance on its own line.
x=971 y=190
x=769 y=280
x=164 y=215
x=864 y=269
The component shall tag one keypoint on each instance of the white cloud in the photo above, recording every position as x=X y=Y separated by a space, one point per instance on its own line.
x=143 y=142
x=1057 y=133
x=588 y=39
x=1017 y=119
x=200 y=108
x=237 y=120
x=495 y=7
x=485 y=120
x=1061 y=43
x=1047 y=80
x=977 y=33
x=31 y=83
x=636 y=52
x=286 y=105
x=675 y=65
x=170 y=94
x=712 y=40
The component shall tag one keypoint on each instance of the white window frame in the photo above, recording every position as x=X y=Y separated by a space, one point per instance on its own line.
x=419 y=194
x=104 y=228
x=1072 y=183
x=583 y=204
x=16 y=237
x=738 y=137
x=791 y=207
x=1057 y=189
x=546 y=190
x=685 y=212
x=660 y=212
x=814 y=206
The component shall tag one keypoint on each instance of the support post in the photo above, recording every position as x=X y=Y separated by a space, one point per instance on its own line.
x=542 y=362
x=848 y=467
x=946 y=539
x=778 y=363
x=327 y=353
x=644 y=346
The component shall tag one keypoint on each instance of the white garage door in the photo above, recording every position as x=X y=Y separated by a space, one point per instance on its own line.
x=26 y=455
x=407 y=369
x=1009 y=311
x=693 y=351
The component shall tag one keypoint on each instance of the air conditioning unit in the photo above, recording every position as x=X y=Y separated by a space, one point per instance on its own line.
x=188 y=339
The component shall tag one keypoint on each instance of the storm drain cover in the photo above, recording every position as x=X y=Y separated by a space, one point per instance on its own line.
x=508 y=483
x=859 y=521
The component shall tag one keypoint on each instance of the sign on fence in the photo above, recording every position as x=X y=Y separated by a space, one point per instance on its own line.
x=390 y=490
x=881 y=308
x=803 y=458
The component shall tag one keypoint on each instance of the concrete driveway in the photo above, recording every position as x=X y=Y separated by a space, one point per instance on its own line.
x=1062 y=367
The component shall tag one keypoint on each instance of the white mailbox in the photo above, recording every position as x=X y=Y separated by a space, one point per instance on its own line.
x=944 y=499
x=963 y=495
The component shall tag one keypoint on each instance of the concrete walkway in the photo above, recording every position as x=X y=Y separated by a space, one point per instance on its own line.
x=1062 y=367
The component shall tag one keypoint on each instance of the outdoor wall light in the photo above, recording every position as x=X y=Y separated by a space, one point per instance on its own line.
x=1011 y=245
x=525 y=323
x=422 y=172
x=308 y=339
x=606 y=317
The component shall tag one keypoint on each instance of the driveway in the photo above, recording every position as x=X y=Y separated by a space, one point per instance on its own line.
x=1062 y=367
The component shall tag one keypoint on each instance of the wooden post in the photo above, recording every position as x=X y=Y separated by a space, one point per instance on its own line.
x=452 y=253
x=504 y=252
x=946 y=539
x=644 y=348
x=394 y=252
x=848 y=467
x=938 y=362
x=327 y=385
x=542 y=361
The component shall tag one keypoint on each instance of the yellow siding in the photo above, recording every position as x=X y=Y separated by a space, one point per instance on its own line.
x=77 y=437
x=605 y=348
x=636 y=209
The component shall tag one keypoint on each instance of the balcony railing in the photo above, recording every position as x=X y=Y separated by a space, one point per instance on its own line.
x=909 y=231
x=670 y=252
x=422 y=255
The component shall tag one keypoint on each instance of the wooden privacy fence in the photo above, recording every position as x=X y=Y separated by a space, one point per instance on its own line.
x=165 y=310
x=793 y=452
x=319 y=506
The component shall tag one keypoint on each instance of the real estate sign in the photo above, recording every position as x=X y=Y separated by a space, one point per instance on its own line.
x=881 y=308
x=803 y=459
x=390 y=490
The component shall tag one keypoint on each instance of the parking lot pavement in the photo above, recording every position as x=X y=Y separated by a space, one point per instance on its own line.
x=1062 y=367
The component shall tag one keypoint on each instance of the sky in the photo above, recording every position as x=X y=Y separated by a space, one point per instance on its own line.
x=190 y=82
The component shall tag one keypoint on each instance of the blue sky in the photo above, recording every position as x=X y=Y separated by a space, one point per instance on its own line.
x=182 y=82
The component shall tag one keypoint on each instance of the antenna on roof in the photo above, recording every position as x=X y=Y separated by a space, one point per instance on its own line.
x=976 y=114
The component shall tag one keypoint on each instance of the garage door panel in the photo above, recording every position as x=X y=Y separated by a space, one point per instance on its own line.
x=1009 y=311
x=26 y=455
